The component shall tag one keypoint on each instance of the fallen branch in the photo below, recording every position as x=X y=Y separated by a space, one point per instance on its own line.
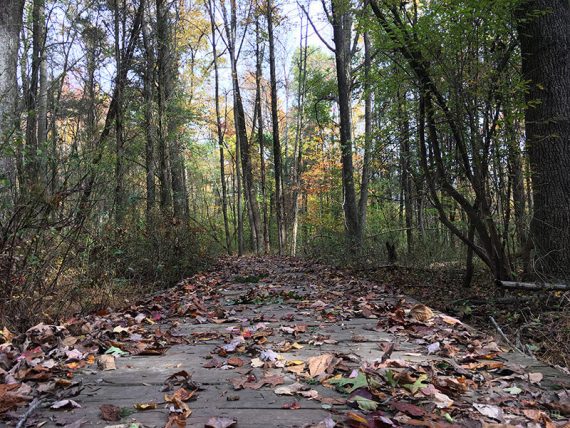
x=31 y=409
x=534 y=286
x=503 y=335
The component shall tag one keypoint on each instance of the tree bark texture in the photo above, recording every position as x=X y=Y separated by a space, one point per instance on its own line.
x=544 y=33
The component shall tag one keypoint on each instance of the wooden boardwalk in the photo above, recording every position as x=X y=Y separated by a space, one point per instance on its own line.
x=356 y=340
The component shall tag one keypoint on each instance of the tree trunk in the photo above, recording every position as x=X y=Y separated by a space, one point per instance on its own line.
x=33 y=150
x=10 y=24
x=150 y=131
x=162 y=98
x=275 y=125
x=239 y=210
x=120 y=196
x=260 y=136
x=342 y=29
x=514 y=159
x=545 y=46
x=405 y=165
x=219 y=130
x=242 y=145
x=42 y=102
x=298 y=148
x=363 y=202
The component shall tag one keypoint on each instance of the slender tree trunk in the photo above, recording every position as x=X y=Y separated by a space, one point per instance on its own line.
x=242 y=144
x=169 y=82
x=298 y=149
x=33 y=151
x=42 y=102
x=239 y=210
x=150 y=131
x=162 y=98
x=219 y=130
x=469 y=268
x=342 y=29
x=363 y=201
x=120 y=196
x=405 y=165
x=515 y=167
x=276 y=142
x=545 y=45
x=260 y=136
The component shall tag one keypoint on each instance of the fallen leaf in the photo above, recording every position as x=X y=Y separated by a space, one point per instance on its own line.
x=11 y=398
x=421 y=313
x=349 y=384
x=110 y=413
x=117 y=352
x=106 y=362
x=489 y=410
x=293 y=405
x=176 y=420
x=268 y=355
x=218 y=422
x=288 y=389
x=145 y=406
x=449 y=320
x=65 y=404
x=77 y=424
x=408 y=408
x=535 y=378
x=181 y=394
x=318 y=365
x=533 y=414
x=310 y=394
x=433 y=348
x=325 y=423
x=256 y=362
x=235 y=361
x=514 y=390
x=442 y=401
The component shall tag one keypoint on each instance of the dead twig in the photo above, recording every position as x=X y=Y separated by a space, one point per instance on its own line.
x=33 y=407
x=503 y=335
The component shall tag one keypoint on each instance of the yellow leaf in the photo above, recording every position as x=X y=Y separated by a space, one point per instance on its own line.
x=145 y=406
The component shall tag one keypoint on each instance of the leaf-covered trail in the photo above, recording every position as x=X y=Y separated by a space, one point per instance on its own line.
x=277 y=342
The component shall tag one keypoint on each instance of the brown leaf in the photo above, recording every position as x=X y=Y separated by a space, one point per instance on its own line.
x=110 y=413
x=421 y=313
x=212 y=363
x=408 y=408
x=235 y=361
x=176 y=420
x=181 y=394
x=533 y=414
x=294 y=405
x=10 y=398
x=106 y=362
x=217 y=422
x=319 y=364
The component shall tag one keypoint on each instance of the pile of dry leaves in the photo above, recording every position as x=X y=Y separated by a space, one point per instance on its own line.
x=432 y=370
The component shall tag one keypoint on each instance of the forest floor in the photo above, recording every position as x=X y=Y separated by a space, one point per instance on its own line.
x=274 y=342
x=535 y=322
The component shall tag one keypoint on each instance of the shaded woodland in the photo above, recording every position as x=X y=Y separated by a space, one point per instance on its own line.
x=141 y=138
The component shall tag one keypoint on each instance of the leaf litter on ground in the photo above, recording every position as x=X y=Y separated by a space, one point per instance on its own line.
x=455 y=375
